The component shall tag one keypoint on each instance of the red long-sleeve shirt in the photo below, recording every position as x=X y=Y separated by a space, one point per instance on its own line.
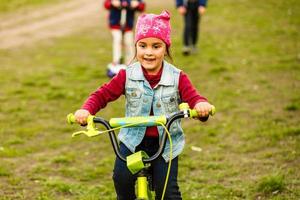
x=116 y=87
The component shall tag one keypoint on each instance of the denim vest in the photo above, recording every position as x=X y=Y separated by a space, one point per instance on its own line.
x=163 y=98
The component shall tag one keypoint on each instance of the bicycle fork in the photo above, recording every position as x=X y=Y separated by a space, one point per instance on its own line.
x=144 y=185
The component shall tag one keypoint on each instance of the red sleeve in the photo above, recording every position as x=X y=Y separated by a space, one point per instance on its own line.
x=188 y=92
x=107 y=4
x=141 y=6
x=106 y=93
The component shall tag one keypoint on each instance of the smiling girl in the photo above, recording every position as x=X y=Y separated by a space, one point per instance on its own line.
x=151 y=86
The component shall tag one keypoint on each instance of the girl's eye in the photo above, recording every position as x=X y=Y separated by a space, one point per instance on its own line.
x=142 y=45
x=156 y=46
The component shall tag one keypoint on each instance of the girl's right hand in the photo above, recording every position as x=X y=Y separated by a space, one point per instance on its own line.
x=81 y=116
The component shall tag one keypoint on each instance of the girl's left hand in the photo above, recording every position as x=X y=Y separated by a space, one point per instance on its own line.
x=203 y=109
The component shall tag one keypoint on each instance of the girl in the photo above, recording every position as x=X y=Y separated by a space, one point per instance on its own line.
x=121 y=20
x=152 y=86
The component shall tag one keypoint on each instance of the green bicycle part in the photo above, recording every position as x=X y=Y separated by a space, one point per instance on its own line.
x=184 y=106
x=193 y=112
x=91 y=129
x=135 y=161
x=71 y=118
x=142 y=189
x=138 y=121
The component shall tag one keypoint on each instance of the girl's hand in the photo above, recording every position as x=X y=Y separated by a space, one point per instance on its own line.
x=181 y=10
x=81 y=116
x=203 y=109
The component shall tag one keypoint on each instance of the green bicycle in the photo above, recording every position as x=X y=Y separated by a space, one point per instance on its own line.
x=139 y=162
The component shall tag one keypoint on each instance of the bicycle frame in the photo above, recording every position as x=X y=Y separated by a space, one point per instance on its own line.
x=137 y=162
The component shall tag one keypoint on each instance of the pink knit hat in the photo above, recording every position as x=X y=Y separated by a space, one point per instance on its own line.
x=151 y=25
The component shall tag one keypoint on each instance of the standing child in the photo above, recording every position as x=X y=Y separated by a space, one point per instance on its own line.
x=151 y=86
x=192 y=10
x=121 y=20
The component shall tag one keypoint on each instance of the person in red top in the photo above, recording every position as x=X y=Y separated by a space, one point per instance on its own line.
x=151 y=86
x=121 y=20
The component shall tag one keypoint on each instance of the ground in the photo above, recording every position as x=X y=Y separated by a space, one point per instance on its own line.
x=29 y=26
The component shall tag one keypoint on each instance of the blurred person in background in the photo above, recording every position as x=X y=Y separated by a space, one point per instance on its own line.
x=121 y=21
x=191 y=10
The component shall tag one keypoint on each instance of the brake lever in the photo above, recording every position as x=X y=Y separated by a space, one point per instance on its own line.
x=91 y=128
x=89 y=133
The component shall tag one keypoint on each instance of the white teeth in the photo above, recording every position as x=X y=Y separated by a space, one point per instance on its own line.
x=148 y=59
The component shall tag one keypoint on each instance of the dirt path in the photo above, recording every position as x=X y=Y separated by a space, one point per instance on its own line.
x=27 y=27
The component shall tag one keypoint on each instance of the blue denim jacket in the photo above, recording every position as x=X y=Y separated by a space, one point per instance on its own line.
x=163 y=98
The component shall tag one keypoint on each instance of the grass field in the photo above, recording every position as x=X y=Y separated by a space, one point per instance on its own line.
x=13 y=5
x=248 y=67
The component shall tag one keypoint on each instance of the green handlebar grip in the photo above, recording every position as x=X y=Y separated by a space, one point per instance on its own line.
x=213 y=110
x=71 y=118
x=194 y=113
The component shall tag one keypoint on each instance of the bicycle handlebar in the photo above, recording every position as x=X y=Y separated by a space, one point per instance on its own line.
x=142 y=121
x=115 y=123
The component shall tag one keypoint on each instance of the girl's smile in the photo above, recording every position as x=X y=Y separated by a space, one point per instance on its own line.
x=150 y=53
x=149 y=60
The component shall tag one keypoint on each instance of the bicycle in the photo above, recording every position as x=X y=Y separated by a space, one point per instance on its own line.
x=139 y=162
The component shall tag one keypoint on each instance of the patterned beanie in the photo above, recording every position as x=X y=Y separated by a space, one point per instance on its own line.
x=151 y=25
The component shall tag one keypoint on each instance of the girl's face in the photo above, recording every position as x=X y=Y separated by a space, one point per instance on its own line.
x=150 y=52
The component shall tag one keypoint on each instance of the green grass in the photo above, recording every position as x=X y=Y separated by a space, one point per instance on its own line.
x=13 y=5
x=271 y=185
x=248 y=67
